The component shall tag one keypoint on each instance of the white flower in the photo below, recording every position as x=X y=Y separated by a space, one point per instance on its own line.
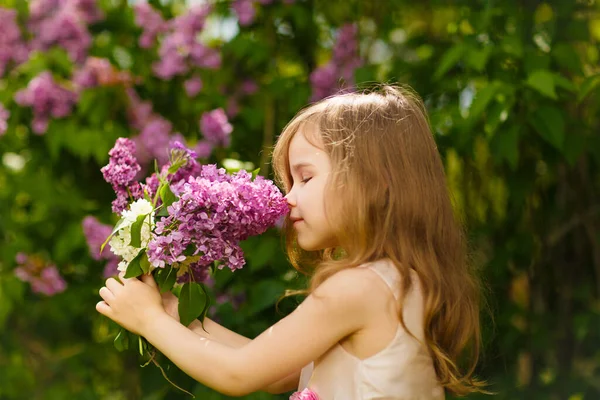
x=120 y=242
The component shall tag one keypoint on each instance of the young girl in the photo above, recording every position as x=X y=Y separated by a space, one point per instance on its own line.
x=392 y=305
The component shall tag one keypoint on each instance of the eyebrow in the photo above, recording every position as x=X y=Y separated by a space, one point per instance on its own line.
x=296 y=167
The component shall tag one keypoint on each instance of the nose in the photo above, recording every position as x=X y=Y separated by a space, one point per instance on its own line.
x=291 y=199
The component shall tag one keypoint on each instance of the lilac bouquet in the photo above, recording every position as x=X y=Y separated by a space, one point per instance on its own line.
x=184 y=221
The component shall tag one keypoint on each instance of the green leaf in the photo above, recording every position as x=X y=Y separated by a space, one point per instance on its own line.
x=478 y=58
x=449 y=59
x=543 y=81
x=136 y=231
x=166 y=195
x=589 y=84
x=255 y=173
x=264 y=294
x=505 y=146
x=550 y=124
x=192 y=301
x=120 y=225
x=165 y=278
x=134 y=269
x=482 y=99
x=122 y=340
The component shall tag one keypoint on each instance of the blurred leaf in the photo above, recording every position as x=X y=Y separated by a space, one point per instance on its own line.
x=590 y=83
x=121 y=342
x=543 y=82
x=549 y=122
x=505 y=146
x=449 y=59
x=264 y=294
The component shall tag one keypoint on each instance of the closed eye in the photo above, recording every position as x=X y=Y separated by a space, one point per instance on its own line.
x=306 y=180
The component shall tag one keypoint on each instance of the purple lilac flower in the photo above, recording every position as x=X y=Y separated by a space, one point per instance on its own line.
x=13 y=48
x=245 y=11
x=153 y=141
x=151 y=21
x=47 y=99
x=63 y=23
x=93 y=72
x=4 y=115
x=120 y=173
x=95 y=234
x=216 y=128
x=193 y=86
x=324 y=80
x=203 y=149
x=249 y=87
x=179 y=47
x=214 y=212
x=44 y=278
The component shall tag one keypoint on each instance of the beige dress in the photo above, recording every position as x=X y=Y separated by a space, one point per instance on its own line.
x=403 y=370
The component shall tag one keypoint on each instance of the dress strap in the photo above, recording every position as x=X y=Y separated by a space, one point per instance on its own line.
x=388 y=273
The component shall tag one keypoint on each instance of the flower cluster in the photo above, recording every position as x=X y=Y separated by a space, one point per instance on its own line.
x=120 y=173
x=99 y=72
x=305 y=394
x=47 y=99
x=179 y=47
x=4 y=115
x=13 y=49
x=214 y=212
x=95 y=234
x=63 y=23
x=215 y=127
x=43 y=277
x=120 y=243
x=205 y=212
x=150 y=21
x=246 y=9
x=324 y=80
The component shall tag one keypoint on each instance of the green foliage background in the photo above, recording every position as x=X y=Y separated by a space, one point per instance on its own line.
x=512 y=91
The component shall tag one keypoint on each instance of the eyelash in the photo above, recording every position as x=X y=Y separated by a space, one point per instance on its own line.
x=306 y=180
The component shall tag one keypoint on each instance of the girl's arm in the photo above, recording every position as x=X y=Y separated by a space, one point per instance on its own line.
x=223 y=335
x=338 y=308
x=228 y=337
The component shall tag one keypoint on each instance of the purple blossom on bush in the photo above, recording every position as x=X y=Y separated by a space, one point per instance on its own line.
x=95 y=234
x=153 y=141
x=203 y=149
x=44 y=278
x=180 y=46
x=92 y=72
x=4 y=115
x=47 y=99
x=63 y=23
x=345 y=60
x=245 y=11
x=151 y=21
x=193 y=86
x=215 y=211
x=215 y=127
x=13 y=48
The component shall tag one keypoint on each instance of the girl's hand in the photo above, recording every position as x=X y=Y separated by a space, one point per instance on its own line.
x=133 y=304
x=171 y=305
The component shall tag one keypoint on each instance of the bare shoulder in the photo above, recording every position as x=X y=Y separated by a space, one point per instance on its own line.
x=355 y=288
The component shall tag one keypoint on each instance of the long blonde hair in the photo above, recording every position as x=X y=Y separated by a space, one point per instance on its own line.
x=395 y=204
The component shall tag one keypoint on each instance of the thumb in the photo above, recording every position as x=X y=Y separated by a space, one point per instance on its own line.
x=148 y=279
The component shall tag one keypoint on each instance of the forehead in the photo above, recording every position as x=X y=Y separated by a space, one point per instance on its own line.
x=306 y=142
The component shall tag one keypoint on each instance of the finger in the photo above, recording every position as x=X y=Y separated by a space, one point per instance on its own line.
x=113 y=285
x=106 y=294
x=123 y=279
x=149 y=280
x=103 y=308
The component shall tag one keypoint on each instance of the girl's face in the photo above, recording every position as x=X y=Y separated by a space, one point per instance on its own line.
x=310 y=167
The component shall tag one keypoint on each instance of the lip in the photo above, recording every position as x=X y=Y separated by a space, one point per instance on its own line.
x=296 y=220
